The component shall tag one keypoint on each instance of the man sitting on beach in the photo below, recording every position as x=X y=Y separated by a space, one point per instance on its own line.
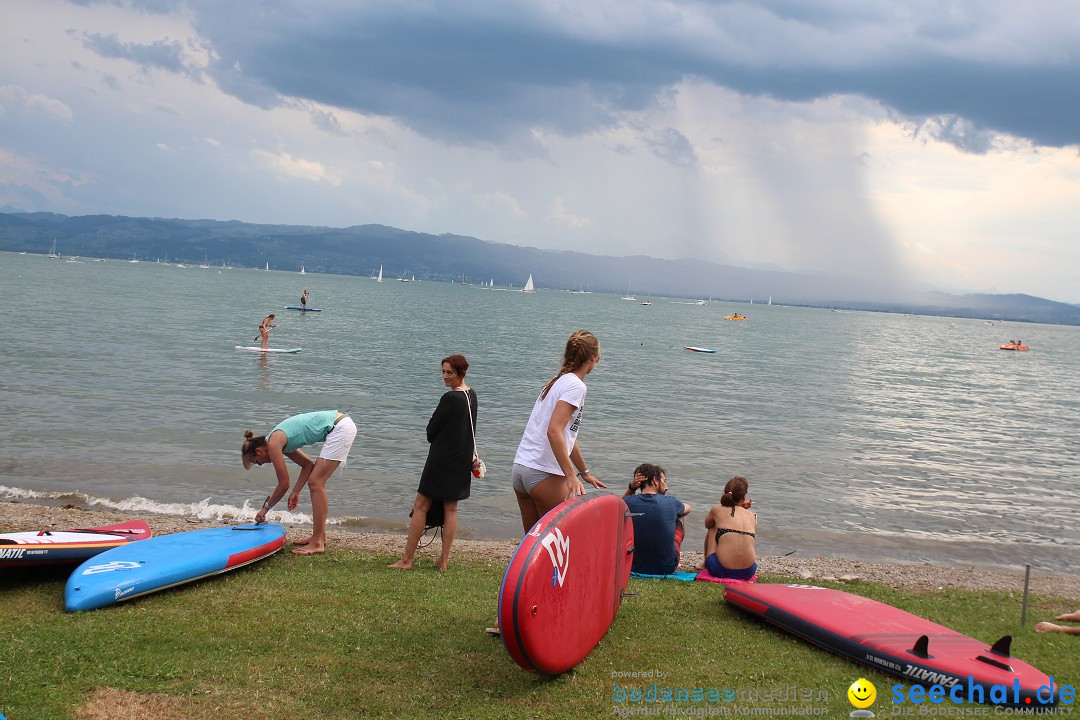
x=1045 y=627
x=657 y=517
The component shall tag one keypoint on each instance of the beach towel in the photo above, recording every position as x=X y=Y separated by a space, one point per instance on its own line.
x=705 y=576
x=677 y=575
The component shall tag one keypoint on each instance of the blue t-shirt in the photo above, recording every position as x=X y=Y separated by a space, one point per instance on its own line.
x=306 y=429
x=654 y=532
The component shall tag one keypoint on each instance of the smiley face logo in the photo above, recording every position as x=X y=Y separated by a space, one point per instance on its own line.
x=862 y=693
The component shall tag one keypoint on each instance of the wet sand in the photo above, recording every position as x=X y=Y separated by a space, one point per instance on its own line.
x=21 y=516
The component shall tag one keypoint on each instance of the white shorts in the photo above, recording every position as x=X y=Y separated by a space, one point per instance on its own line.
x=339 y=441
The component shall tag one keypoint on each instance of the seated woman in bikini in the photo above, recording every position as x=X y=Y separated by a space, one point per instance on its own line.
x=729 y=534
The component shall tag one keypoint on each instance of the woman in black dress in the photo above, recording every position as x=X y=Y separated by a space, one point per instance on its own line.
x=448 y=470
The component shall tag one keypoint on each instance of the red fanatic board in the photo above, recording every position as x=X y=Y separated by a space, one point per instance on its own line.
x=891 y=640
x=564 y=583
x=51 y=547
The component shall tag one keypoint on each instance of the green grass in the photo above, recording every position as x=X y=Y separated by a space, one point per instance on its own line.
x=341 y=636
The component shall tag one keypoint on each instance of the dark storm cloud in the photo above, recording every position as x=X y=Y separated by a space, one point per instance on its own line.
x=489 y=72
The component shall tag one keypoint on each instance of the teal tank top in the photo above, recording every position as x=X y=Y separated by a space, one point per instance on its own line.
x=306 y=428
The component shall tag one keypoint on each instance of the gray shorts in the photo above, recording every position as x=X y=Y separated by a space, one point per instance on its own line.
x=526 y=478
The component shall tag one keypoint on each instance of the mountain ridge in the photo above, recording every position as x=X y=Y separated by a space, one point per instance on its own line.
x=362 y=249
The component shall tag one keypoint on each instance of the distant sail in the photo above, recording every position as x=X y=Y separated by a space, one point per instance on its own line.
x=528 y=286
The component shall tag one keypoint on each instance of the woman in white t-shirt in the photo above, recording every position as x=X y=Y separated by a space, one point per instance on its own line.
x=544 y=465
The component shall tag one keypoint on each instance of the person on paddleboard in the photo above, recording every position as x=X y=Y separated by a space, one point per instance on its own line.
x=336 y=430
x=544 y=465
x=264 y=330
x=303 y=299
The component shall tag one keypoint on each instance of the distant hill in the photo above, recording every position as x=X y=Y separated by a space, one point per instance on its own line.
x=360 y=250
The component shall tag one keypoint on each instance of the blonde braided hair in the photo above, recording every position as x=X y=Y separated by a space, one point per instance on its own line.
x=581 y=347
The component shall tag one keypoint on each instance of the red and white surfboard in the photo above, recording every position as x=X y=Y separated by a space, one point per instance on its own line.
x=565 y=582
x=47 y=547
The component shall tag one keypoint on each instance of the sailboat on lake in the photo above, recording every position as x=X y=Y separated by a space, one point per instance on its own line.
x=52 y=253
x=379 y=279
x=528 y=285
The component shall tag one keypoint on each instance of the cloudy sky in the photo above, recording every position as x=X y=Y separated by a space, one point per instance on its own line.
x=930 y=140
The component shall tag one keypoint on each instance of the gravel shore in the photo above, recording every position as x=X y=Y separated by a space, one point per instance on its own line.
x=19 y=516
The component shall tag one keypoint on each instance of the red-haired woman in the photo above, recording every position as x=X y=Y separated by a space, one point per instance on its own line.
x=447 y=473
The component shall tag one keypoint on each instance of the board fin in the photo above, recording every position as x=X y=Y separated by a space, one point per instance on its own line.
x=921 y=648
x=1001 y=647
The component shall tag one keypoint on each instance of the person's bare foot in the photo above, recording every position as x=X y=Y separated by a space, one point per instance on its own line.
x=1074 y=616
x=301 y=543
x=401 y=565
x=309 y=549
x=441 y=566
x=1045 y=627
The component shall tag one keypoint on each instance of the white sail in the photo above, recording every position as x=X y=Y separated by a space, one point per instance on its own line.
x=267 y=266
x=52 y=253
x=379 y=279
x=302 y=269
x=528 y=286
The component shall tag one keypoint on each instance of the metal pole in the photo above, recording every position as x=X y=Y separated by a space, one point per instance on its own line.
x=1027 y=584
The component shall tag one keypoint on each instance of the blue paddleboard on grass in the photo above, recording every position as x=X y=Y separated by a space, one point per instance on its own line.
x=165 y=561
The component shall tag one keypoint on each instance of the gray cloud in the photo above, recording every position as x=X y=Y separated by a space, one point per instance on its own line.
x=161 y=54
x=671 y=145
x=479 y=72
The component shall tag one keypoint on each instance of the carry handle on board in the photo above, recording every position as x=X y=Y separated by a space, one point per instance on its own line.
x=1000 y=649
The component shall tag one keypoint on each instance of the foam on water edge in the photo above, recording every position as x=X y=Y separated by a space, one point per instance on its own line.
x=202 y=510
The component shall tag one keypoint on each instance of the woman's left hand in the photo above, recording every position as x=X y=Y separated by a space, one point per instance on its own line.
x=294 y=500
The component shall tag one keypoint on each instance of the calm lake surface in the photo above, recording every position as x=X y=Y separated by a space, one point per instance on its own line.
x=867 y=435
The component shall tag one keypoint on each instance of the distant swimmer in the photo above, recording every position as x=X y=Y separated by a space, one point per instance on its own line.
x=264 y=329
x=303 y=299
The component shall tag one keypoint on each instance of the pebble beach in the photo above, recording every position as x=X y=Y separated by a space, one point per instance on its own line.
x=22 y=516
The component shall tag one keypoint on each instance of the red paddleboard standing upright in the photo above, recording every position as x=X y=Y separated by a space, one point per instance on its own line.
x=564 y=583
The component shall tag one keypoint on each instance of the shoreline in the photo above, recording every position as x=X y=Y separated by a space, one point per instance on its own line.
x=19 y=516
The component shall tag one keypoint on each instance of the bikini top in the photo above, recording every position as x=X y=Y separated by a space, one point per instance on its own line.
x=722 y=531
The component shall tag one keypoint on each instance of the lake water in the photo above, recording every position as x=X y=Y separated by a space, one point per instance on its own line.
x=867 y=435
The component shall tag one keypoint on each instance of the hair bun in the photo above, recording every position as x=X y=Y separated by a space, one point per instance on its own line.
x=249 y=434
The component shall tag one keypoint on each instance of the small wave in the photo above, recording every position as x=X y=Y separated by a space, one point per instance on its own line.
x=202 y=510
